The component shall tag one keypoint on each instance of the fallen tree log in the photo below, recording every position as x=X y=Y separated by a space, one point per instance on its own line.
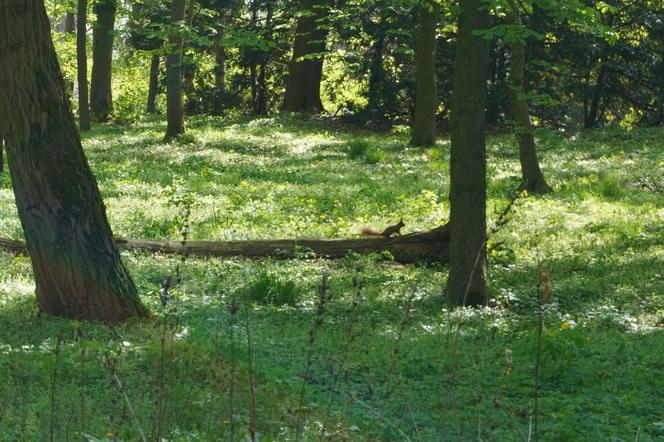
x=430 y=246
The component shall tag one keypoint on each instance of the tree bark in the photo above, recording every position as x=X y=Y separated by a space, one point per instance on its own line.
x=174 y=108
x=591 y=121
x=377 y=94
x=466 y=284
x=70 y=23
x=76 y=264
x=424 y=122
x=430 y=246
x=532 y=178
x=220 y=64
x=253 y=54
x=101 y=98
x=253 y=78
x=304 y=76
x=189 y=65
x=82 y=65
x=153 y=88
x=262 y=102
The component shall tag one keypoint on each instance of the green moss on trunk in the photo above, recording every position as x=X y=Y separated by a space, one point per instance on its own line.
x=467 y=281
x=77 y=267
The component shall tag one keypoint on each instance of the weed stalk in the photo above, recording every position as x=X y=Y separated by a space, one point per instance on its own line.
x=321 y=306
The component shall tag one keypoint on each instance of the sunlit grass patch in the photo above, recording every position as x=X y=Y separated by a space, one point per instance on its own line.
x=599 y=236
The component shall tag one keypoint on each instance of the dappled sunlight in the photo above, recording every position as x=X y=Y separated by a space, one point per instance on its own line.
x=598 y=237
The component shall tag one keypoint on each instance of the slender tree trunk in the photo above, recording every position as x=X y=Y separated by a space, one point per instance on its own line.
x=591 y=120
x=174 y=108
x=219 y=73
x=531 y=174
x=496 y=83
x=77 y=267
x=220 y=64
x=153 y=88
x=424 y=122
x=189 y=66
x=377 y=76
x=304 y=76
x=2 y=150
x=467 y=280
x=101 y=98
x=254 y=55
x=82 y=65
x=253 y=78
x=261 y=84
x=262 y=107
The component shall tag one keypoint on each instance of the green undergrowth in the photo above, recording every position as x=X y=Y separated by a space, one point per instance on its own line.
x=361 y=348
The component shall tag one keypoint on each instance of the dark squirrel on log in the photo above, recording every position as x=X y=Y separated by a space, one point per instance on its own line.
x=389 y=231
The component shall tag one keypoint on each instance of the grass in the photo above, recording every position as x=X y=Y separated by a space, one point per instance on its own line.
x=387 y=361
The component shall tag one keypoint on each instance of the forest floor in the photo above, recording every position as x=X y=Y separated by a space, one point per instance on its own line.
x=361 y=348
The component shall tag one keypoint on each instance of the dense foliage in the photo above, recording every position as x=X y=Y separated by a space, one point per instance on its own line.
x=589 y=64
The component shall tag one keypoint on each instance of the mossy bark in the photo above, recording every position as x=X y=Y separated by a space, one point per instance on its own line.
x=531 y=173
x=101 y=98
x=306 y=68
x=174 y=107
x=82 y=65
x=77 y=267
x=467 y=280
x=424 y=121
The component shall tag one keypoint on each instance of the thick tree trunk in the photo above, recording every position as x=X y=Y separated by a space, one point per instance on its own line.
x=424 y=122
x=101 y=98
x=174 y=108
x=467 y=281
x=219 y=72
x=153 y=87
x=304 y=76
x=430 y=246
x=532 y=177
x=70 y=23
x=77 y=267
x=82 y=65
